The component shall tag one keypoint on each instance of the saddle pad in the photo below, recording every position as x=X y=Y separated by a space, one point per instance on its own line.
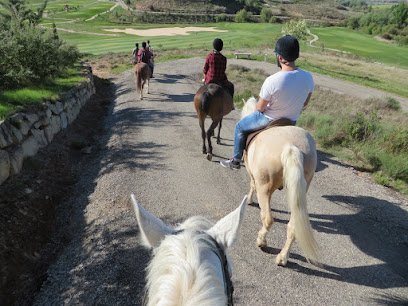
x=273 y=123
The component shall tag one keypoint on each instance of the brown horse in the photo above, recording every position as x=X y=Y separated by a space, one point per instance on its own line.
x=283 y=156
x=214 y=101
x=142 y=74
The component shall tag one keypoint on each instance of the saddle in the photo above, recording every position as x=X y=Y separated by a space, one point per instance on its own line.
x=273 y=123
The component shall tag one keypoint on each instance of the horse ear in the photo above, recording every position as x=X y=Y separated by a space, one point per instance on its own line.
x=225 y=231
x=152 y=229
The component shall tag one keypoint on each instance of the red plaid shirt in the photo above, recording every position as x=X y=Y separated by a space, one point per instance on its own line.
x=214 y=68
x=148 y=55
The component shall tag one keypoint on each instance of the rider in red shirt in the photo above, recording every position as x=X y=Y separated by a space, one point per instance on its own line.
x=214 y=67
x=144 y=55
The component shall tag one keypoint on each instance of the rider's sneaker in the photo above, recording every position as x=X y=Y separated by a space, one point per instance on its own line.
x=231 y=163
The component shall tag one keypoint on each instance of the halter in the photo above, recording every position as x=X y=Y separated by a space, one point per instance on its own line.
x=217 y=250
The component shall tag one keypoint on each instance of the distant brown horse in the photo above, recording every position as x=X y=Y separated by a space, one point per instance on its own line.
x=142 y=74
x=214 y=101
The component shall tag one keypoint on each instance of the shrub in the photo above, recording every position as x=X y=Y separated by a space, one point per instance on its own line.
x=393 y=104
x=241 y=16
x=363 y=127
x=31 y=55
x=221 y=18
x=386 y=36
x=266 y=15
x=297 y=28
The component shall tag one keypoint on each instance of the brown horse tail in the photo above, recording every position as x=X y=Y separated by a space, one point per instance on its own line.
x=139 y=80
x=205 y=101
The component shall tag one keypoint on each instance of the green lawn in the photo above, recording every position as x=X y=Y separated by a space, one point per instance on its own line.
x=362 y=45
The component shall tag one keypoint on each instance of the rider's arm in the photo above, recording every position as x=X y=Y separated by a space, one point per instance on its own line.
x=261 y=105
x=307 y=100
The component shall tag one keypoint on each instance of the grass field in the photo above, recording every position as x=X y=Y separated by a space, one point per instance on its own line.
x=362 y=45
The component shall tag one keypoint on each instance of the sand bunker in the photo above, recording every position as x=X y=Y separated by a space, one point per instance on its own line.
x=165 y=31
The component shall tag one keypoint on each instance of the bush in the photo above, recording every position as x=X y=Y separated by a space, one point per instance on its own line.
x=221 y=18
x=266 y=15
x=30 y=55
x=241 y=16
x=297 y=28
x=362 y=127
x=393 y=104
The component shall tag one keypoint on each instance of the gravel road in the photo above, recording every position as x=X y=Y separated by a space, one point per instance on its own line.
x=153 y=149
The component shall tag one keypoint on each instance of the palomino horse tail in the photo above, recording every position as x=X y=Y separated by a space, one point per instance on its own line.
x=205 y=101
x=296 y=188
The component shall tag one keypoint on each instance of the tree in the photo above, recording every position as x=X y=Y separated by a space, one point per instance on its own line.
x=297 y=28
x=30 y=54
x=266 y=14
x=17 y=10
x=399 y=15
x=241 y=16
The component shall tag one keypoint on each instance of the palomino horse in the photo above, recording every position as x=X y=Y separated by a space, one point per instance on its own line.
x=189 y=265
x=214 y=101
x=283 y=156
x=142 y=74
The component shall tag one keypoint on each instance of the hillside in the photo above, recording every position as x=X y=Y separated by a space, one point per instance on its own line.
x=189 y=6
x=324 y=10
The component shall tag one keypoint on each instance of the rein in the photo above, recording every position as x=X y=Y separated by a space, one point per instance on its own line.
x=217 y=250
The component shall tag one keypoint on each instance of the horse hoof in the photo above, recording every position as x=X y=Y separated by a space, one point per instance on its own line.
x=280 y=260
x=209 y=156
x=218 y=141
x=261 y=243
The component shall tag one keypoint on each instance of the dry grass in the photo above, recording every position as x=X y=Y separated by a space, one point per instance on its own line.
x=347 y=67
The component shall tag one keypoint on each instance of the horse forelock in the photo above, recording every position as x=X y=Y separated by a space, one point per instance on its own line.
x=181 y=273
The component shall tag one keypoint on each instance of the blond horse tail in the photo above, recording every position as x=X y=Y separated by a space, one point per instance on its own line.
x=296 y=187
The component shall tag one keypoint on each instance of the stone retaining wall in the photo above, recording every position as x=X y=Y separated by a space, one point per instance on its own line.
x=24 y=133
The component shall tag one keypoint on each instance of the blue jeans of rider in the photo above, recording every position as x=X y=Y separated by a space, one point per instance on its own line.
x=245 y=126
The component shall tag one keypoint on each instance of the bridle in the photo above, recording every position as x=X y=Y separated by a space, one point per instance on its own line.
x=217 y=250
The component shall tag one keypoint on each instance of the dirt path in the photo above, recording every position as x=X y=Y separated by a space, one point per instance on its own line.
x=152 y=148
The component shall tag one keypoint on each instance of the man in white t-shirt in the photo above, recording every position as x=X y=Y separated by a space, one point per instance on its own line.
x=283 y=95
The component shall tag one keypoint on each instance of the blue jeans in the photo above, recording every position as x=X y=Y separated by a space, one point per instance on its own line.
x=245 y=126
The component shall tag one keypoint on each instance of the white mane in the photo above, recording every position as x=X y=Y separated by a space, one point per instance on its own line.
x=249 y=107
x=179 y=272
x=185 y=269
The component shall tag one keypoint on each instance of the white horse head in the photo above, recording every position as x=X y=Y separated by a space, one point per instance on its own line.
x=189 y=266
x=249 y=107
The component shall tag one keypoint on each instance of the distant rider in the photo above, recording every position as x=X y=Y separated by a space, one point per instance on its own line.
x=145 y=56
x=214 y=67
x=134 y=53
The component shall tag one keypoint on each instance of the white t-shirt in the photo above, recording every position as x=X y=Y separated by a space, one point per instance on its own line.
x=286 y=92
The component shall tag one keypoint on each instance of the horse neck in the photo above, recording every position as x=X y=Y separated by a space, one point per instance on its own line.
x=184 y=271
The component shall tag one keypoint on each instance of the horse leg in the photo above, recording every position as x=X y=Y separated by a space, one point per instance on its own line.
x=209 y=133
x=264 y=196
x=148 y=81
x=219 y=130
x=282 y=257
x=251 y=191
x=201 y=118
